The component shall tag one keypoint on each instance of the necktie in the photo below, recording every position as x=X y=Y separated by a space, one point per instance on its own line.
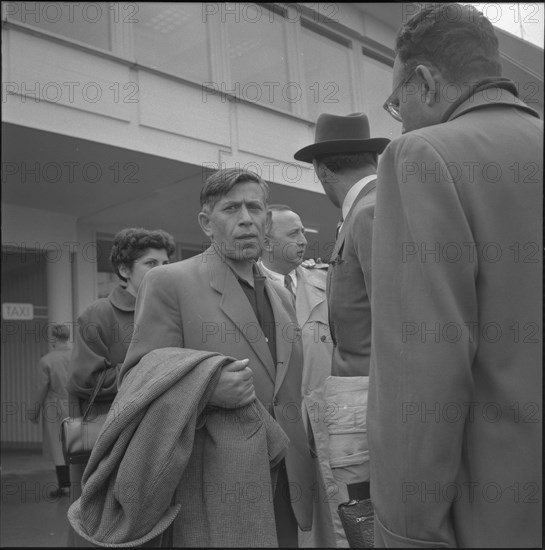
x=288 y=283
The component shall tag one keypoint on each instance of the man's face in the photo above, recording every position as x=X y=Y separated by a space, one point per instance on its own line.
x=287 y=242
x=236 y=223
x=409 y=96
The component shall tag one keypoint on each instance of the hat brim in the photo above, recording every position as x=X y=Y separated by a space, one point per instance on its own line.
x=376 y=145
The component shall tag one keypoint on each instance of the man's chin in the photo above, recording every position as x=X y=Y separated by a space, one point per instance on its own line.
x=251 y=253
x=245 y=253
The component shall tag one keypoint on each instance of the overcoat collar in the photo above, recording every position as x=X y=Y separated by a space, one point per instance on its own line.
x=495 y=92
x=122 y=299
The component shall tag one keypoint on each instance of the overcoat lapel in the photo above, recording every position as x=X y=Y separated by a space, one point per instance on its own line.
x=236 y=307
x=285 y=333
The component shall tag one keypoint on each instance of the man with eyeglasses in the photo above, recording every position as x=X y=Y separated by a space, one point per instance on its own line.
x=454 y=417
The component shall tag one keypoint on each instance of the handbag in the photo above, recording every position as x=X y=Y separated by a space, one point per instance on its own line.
x=357 y=518
x=79 y=434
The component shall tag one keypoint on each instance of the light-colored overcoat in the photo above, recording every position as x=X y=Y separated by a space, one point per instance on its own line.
x=455 y=417
x=51 y=398
x=312 y=316
x=199 y=304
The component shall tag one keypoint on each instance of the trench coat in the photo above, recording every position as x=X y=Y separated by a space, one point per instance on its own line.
x=51 y=398
x=312 y=316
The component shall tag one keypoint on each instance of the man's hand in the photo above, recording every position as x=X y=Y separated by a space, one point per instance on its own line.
x=313 y=264
x=235 y=387
x=310 y=263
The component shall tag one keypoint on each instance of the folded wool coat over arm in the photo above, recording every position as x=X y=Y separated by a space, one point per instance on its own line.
x=164 y=456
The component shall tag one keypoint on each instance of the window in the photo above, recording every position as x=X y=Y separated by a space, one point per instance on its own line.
x=376 y=85
x=172 y=37
x=87 y=22
x=258 y=58
x=326 y=66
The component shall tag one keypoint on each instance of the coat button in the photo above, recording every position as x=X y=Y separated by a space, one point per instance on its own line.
x=323 y=338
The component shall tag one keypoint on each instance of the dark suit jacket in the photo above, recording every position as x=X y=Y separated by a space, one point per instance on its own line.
x=349 y=288
x=454 y=417
x=199 y=304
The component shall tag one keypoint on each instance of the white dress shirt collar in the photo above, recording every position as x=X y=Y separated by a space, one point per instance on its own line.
x=354 y=192
x=278 y=277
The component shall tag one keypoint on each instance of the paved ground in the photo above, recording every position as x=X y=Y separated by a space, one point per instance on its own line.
x=29 y=516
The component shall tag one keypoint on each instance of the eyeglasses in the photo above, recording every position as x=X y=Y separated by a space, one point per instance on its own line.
x=390 y=106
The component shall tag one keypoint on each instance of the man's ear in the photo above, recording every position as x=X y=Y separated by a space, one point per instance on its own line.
x=320 y=170
x=430 y=84
x=204 y=221
x=267 y=242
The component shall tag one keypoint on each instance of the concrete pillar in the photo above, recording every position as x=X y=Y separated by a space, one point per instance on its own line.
x=59 y=287
x=85 y=269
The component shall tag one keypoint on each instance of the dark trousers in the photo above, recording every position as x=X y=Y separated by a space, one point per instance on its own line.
x=63 y=476
x=286 y=524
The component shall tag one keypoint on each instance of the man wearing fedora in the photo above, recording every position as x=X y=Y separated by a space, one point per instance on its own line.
x=345 y=161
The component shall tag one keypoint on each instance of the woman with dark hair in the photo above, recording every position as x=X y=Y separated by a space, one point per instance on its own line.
x=105 y=328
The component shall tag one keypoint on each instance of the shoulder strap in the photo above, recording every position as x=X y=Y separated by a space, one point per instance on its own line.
x=99 y=383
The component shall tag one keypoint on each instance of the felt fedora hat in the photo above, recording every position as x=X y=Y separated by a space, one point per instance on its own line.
x=341 y=134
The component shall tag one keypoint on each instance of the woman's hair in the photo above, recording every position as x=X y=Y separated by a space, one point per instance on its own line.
x=60 y=332
x=131 y=243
